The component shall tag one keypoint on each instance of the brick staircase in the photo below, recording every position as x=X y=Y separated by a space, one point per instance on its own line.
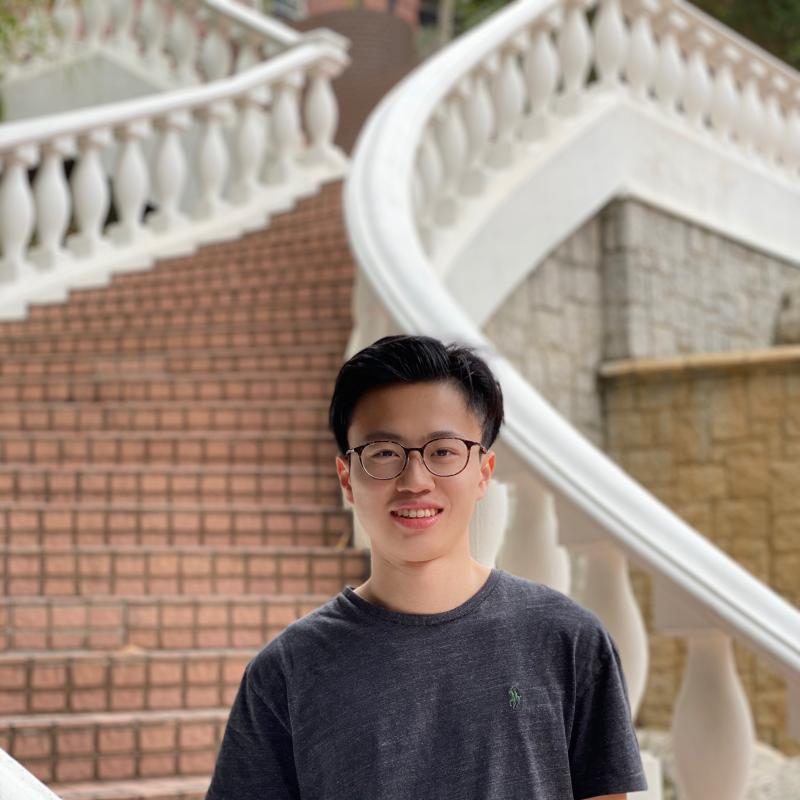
x=168 y=501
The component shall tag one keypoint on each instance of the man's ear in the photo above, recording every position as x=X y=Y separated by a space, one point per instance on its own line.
x=343 y=471
x=487 y=468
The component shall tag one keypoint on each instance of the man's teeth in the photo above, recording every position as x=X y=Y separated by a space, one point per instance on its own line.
x=421 y=512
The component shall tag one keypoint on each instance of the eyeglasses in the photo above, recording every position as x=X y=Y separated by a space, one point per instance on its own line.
x=384 y=460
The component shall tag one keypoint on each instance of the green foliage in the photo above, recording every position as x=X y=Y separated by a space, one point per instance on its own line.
x=24 y=27
x=771 y=24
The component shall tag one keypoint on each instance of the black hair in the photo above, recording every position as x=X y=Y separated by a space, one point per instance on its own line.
x=416 y=359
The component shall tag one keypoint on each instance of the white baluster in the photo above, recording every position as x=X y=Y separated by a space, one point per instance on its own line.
x=182 y=38
x=16 y=213
x=610 y=43
x=153 y=28
x=52 y=198
x=287 y=135
x=670 y=69
x=540 y=68
x=431 y=173
x=774 y=131
x=169 y=174
x=531 y=548
x=452 y=141
x=249 y=147
x=122 y=26
x=131 y=183
x=508 y=95
x=66 y=21
x=215 y=53
x=90 y=195
x=212 y=161
x=607 y=591
x=248 y=53
x=575 y=55
x=489 y=524
x=726 y=97
x=697 y=97
x=791 y=143
x=479 y=122
x=95 y=20
x=322 y=116
x=751 y=114
x=419 y=203
x=712 y=728
x=640 y=66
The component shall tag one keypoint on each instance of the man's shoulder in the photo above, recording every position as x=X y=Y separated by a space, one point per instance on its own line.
x=530 y=602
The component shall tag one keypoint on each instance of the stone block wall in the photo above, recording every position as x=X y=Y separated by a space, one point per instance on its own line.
x=636 y=282
x=717 y=439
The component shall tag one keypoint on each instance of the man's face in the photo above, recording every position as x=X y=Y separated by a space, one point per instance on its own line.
x=412 y=412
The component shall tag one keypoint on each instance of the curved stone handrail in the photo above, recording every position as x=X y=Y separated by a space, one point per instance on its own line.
x=430 y=153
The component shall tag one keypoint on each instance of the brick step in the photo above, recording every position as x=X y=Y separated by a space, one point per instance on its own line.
x=170 y=447
x=323 y=357
x=81 y=681
x=309 y=485
x=168 y=622
x=69 y=524
x=64 y=748
x=255 y=385
x=168 y=320
x=189 y=788
x=321 y=332
x=232 y=415
x=245 y=275
x=124 y=569
x=280 y=303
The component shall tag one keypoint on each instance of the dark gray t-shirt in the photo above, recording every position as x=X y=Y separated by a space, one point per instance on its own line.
x=516 y=694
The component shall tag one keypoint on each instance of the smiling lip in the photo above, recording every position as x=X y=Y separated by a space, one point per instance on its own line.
x=417 y=523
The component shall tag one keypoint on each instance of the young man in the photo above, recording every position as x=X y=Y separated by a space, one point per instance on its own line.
x=437 y=678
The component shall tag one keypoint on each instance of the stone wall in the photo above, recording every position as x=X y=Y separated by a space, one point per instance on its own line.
x=717 y=439
x=635 y=282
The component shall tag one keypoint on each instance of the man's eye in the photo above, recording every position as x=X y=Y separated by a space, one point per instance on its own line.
x=387 y=453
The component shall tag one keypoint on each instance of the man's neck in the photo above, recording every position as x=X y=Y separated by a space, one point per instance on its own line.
x=430 y=588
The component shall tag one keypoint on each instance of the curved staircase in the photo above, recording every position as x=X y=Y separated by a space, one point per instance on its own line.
x=168 y=501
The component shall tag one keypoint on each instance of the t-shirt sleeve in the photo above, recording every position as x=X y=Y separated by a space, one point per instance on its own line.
x=255 y=758
x=603 y=749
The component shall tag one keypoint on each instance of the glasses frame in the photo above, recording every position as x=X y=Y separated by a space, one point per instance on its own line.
x=406 y=450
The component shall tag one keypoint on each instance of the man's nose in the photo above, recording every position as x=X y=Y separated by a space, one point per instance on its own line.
x=415 y=473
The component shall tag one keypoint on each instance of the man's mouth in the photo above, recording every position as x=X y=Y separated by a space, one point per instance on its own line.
x=414 y=513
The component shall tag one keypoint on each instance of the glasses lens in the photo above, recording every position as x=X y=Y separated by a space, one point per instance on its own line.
x=445 y=457
x=383 y=459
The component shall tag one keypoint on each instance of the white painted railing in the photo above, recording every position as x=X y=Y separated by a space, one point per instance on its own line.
x=454 y=143
x=181 y=168
x=178 y=41
x=17 y=783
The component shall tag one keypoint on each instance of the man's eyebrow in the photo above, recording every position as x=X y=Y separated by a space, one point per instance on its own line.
x=397 y=436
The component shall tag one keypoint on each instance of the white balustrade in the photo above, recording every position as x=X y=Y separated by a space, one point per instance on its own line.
x=249 y=147
x=122 y=18
x=153 y=34
x=321 y=114
x=725 y=98
x=751 y=113
x=182 y=42
x=216 y=55
x=451 y=142
x=95 y=20
x=66 y=20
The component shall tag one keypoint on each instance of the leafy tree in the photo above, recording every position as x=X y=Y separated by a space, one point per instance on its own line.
x=24 y=27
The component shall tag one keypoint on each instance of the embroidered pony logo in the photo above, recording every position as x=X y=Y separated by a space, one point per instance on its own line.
x=514 y=697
